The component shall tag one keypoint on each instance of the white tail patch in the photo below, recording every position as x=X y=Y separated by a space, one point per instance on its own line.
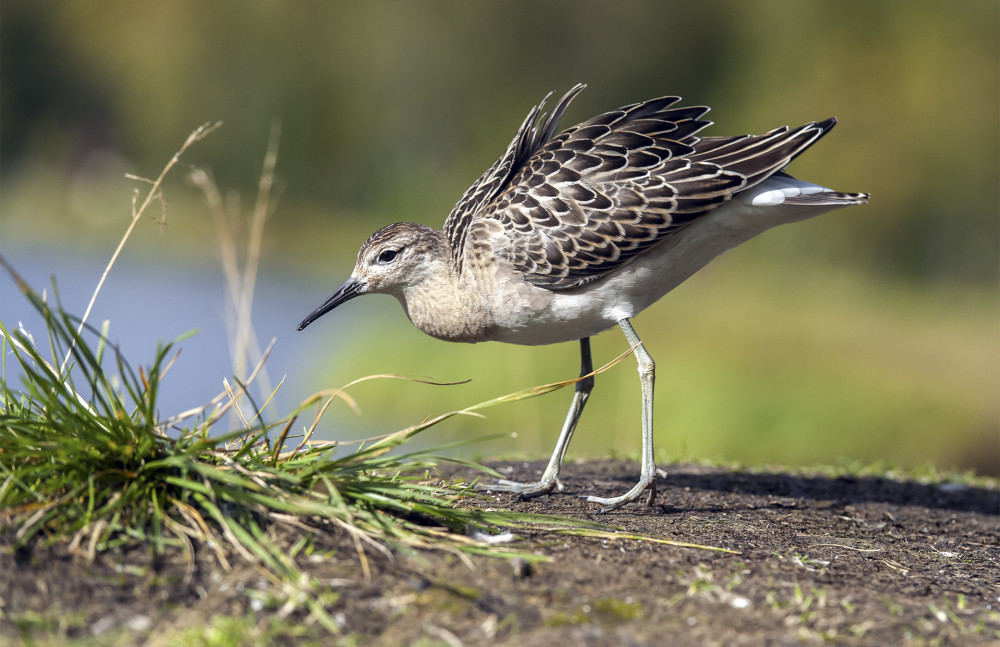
x=781 y=188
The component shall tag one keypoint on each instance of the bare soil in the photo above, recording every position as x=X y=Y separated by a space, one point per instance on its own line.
x=842 y=560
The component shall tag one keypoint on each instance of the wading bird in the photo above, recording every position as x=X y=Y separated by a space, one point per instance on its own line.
x=571 y=233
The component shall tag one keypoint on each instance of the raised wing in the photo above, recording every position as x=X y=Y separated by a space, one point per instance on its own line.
x=527 y=141
x=579 y=204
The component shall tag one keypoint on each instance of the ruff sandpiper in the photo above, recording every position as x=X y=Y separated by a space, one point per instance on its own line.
x=569 y=234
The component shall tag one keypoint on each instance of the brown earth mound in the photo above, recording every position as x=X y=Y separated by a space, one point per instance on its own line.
x=847 y=560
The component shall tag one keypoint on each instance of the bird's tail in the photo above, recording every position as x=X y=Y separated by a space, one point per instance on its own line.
x=782 y=188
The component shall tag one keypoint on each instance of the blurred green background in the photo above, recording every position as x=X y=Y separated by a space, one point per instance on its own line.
x=868 y=334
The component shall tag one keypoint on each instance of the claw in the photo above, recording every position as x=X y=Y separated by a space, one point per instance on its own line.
x=645 y=485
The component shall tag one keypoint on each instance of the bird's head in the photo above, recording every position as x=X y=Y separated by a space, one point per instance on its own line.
x=391 y=260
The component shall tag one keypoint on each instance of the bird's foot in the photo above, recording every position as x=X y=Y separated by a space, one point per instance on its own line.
x=524 y=490
x=646 y=485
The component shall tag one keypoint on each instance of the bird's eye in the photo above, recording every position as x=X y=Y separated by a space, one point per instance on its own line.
x=387 y=256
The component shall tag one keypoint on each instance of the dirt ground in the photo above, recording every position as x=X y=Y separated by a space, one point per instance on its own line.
x=847 y=560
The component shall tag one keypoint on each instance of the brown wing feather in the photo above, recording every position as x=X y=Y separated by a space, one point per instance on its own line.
x=528 y=139
x=581 y=203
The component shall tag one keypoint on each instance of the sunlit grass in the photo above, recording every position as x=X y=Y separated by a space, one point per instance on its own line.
x=85 y=458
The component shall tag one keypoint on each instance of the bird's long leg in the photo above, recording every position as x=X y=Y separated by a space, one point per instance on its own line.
x=647 y=478
x=550 y=477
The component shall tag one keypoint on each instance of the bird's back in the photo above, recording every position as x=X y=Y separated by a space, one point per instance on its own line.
x=577 y=205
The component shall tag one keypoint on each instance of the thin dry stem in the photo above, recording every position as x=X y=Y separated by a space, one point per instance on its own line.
x=246 y=340
x=199 y=133
x=241 y=283
x=236 y=405
x=214 y=402
x=207 y=536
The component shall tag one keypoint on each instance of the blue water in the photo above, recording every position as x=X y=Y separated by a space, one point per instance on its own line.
x=148 y=304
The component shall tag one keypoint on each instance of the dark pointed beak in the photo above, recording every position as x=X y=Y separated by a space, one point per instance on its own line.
x=347 y=291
